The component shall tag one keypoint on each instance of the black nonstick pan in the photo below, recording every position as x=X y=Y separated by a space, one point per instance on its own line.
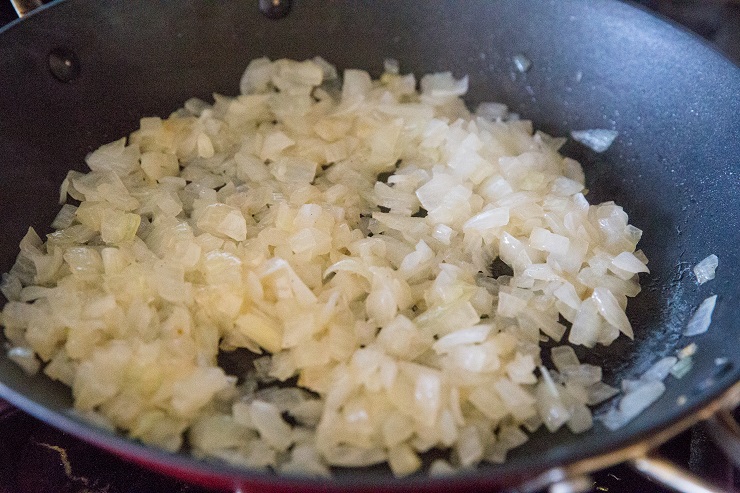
x=79 y=73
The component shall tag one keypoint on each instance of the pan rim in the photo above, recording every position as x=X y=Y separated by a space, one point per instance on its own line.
x=539 y=473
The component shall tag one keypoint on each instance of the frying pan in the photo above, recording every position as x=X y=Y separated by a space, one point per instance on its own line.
x=79 y=73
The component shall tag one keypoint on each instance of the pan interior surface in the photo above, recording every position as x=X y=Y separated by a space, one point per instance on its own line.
x=595 y=64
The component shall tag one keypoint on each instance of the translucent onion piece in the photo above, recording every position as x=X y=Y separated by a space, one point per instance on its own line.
x=704 y=270
x=702 y=317
x=599 y=140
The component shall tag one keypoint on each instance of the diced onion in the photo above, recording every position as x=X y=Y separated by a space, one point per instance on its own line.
x=702 y=317
x=704 y=270
x=598 y=139
x=352 y=235
x=522 y=63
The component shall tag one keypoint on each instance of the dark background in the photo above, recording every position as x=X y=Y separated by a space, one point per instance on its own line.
x=35 y=458
x=715 y=20
x=718 y=21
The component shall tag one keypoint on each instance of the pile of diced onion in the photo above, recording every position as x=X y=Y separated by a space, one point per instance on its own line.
x=345 y=231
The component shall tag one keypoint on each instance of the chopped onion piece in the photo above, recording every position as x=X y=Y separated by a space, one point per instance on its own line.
x=563 y=357
x=443 y=84
x=391 y=66
x=702 y=317
x=629 y=262
x=522 y=63
x=599 y=140
x=704 y=270
x=266 y=418
x=25 y=358
x=659 y=371
x=614 y=314
x=471 y=335
x=441 y=467
x=632 y=404
x=492 y=111
x=682 y=367
x=600 y=392
x=688 y=351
